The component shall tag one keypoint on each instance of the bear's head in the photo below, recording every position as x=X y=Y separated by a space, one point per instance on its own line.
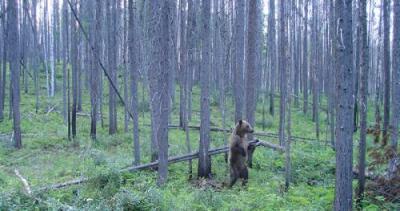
x=243 y=128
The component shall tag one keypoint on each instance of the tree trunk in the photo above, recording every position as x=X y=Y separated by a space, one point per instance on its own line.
x=286 y=87
x=4 y=64
x=165 y=53
x=272 y=54
x=94 y=72
x=356 y=61
x=134 y=75
x=13 y=40
x=53 y=46
x=305 y=59
x=364 y=71
x=182 y=64
x=386 y=68
x=282 y=67
x=395 y=89
x=24 y=44
x=56 y=25
x=345 y=109
x=251 y=98
x=124 y=46
x=112 y=63
x=75 y=70
x=36 y=52
x=173 y=46
x=153 y=74
x=191 y=23
x=225 y=53
x=239 y=59
x=65 y=57
x=315 y=68
x=204 y=167
x=296 y=52
x=332 y=82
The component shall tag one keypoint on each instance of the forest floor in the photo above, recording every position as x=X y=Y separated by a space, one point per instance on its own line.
x=47 y=157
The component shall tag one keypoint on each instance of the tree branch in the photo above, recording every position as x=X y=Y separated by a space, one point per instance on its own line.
x=24 y=182
x=171 y=160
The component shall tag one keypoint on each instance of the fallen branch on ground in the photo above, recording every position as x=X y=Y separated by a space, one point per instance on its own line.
x=64 y=184
x=81 y=114
x=171 y=160
x=24 y=182
x=29 y=192
x=50 y=110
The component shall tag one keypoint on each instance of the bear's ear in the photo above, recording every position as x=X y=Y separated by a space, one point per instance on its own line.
x=240 y=122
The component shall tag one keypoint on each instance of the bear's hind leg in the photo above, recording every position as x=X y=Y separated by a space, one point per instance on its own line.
x=244 y=174
x=234 y=177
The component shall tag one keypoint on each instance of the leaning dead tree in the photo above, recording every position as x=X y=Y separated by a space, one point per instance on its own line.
x=260 y=133
x=171 y=160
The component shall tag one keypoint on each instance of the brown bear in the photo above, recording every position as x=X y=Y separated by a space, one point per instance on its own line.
x=239 y=152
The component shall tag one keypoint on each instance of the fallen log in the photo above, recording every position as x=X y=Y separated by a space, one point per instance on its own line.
x=263 y=134
x=64 y=184
x=195 y=155
x=171 y=160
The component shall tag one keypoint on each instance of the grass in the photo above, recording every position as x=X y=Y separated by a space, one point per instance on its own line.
x=47 y=157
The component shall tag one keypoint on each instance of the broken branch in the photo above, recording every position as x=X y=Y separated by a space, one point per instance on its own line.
x=24 y=182
x=171 y=160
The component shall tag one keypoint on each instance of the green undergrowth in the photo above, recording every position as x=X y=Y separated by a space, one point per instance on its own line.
x=47 y=157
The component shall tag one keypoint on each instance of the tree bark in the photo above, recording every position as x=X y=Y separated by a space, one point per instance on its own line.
x=36 y=52
x=53 y=46
x=134 y=75
x=94 y=72
x=332 y=47
x=25 y=39
x=191 y=24
x=239 y=89
x=45 y=43
x=125 y=46
x=204 y=167
x=112 y=62
x=13 y=40
x=164 y=84
x=251 y=98
x=272 y=54
x=364 y=71
x=75 y=70
x=305 y=59
x=395 y=89
x=282 y=68
x=4 y=63
x=65 y=57
x=386 y=68
x=345 y=106
x=182 y=64
x=153 y=74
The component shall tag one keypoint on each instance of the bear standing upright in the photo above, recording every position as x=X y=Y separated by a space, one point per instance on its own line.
x=238 y=152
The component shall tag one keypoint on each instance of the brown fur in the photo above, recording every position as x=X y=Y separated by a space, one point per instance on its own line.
x=238 y=152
